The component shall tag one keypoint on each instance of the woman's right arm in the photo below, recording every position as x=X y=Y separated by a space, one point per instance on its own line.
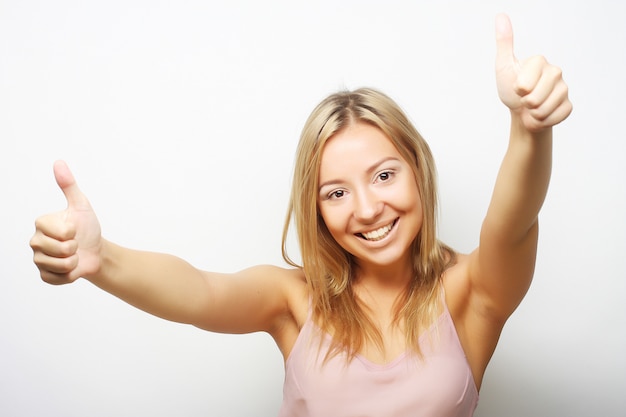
x=68 y=245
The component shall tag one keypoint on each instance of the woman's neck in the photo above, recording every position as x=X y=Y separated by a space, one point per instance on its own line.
x=384 y=277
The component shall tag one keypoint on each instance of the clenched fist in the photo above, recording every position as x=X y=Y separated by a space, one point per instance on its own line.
x=67 y=244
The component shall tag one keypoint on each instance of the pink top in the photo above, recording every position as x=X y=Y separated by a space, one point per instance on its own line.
x=440 y=385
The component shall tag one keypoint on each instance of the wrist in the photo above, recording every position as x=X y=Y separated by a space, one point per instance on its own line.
x=102 y=261
x=520 y=128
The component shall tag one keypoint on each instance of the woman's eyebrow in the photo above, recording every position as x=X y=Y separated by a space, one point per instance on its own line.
x=375 y=166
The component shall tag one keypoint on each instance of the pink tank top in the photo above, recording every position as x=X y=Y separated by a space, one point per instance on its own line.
x=439 y=385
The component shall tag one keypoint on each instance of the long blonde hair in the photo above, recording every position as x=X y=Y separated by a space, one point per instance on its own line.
x=329 y=269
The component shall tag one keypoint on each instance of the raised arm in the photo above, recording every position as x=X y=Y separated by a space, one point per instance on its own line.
x=502 y=267
x=68 y=245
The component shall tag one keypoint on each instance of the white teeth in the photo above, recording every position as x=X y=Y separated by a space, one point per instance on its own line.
x=378 y=234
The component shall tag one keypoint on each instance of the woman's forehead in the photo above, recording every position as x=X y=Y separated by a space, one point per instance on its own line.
x=357 y=147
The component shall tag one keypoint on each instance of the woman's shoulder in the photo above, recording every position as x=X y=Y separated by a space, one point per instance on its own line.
x=292 y=282
x=275 y=275
x=292 y=279
x=456 y=283
x=297 y=294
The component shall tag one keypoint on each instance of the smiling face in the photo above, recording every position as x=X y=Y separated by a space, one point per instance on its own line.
x=368 y=197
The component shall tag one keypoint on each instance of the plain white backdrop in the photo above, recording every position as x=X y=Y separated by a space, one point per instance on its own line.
x=180 y=121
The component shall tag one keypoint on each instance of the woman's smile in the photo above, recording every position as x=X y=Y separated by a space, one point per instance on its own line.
x=378 y=234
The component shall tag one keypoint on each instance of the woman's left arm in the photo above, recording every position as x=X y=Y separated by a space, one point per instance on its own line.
x=501 y=269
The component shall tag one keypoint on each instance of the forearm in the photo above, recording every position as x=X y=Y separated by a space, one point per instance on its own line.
x=160 y=284
x=522 y=183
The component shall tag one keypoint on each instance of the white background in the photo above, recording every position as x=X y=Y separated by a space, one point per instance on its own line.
x=180 y=121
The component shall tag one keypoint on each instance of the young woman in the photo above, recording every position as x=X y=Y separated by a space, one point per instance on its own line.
x=381 y=318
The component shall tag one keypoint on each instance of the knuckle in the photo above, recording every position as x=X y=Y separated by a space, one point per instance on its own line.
x=539 y=60
x=40 y=223
x=66 y=265
x=34 y=242
x=531 y=102
x=538 y=115
x=67 y=248
x=534 y=63
x=52 y=225
x=53 y=278
x=47 y=277
x=563 y=91
x=36 y=259
x=556 y=72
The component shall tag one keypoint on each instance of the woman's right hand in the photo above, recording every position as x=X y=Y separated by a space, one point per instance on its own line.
x=67 y=244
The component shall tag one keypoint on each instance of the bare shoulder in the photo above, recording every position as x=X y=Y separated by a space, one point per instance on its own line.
x=292 y=283
x=457 y=285
x=279 y=275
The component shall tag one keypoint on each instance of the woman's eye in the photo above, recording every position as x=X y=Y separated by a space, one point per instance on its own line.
x=385 y=175
x=336 y=194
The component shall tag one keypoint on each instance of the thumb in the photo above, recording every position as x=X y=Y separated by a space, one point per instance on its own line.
x=504 y=42
x=64 y=178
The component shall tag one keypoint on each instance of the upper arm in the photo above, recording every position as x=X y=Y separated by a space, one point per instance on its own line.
x=500 y=272
x=251 y=300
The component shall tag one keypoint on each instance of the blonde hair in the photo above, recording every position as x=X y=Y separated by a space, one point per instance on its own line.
x=329 y=269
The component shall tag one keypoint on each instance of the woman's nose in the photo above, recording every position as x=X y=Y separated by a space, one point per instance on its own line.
x=367 y=206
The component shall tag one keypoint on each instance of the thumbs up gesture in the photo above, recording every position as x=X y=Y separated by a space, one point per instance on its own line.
x=533 y=89
x=67 y=244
